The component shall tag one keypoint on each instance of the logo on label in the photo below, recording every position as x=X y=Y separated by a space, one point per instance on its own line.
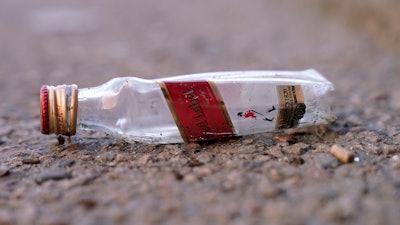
x=198 y=110
x=253 y=114
x=291 y=106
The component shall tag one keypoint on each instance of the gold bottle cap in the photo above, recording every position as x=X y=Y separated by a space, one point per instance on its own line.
x=59 y=109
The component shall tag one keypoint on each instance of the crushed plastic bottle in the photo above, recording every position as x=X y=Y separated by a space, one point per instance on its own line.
x=189 y=108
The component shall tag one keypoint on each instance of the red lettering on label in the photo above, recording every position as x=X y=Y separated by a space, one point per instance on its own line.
x=250 y=113
x=198 y=110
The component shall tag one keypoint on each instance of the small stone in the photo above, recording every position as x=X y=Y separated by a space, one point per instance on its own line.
x=177 y=175
x=105 y=157
x=204 y=158
x=377 y=95
x=66 y=162
x=195 y=163
x=193 y=145
x=321 y=148
x=372 y=149
x=397 y=138
x=5 y=217
x=275 y=175
x=87 y=203
x=254 y=208
x=395 y=162
x=6 y=130
x=163 y=156
x=4 y=171
x=172 y=149
x=53 y=174
x=325 y=160
x=113 y=175
x=203 y=171
x=296 y=160
x=85 y=157
x=31 y=161
x=60 y=139
x=268 y=190
x=320 y=130
x=247 y=141
x=297 y=149
x=190 y=178
x=120 y=158
x=370 y=136
x=145 y=159
x=390 y=149
x=276 y=152
x=396 y=165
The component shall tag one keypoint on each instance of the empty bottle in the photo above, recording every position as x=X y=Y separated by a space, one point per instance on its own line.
x=189 y=108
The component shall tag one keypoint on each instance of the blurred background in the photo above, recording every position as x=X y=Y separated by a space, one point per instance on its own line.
x=89 y=42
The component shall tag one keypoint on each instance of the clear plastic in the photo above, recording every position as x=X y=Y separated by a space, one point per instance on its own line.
x=137 y=110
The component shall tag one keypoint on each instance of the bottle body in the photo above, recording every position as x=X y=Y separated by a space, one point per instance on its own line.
x=204 y=106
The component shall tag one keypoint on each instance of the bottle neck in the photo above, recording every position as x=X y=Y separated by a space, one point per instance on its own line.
x=95 y=108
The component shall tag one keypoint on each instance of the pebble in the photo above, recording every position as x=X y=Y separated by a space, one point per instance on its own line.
x=86 y=158
x=275 y=175
x=66 y=162
x=4 y=171
x=145 y=159
x=190 y=178
x=296 y=160
x=163 y=156
x=326 y=160
x=370 y=136
x=377 y=95
x=297 y=149
x=204 y=158
x=121 y=158
x=88 y=203
x=31 y=161
x=174 y=149
x=203 y=171
x=61 y=140
x=6 y=130
x=395 y=162
x=284 y=138
x=276 y=152
x=390 y=149
x=193 y=145
x=320 y=130
x=321 y=148
x=195 y=163
x=5 y=218
x=247 y=141
x=268 y=190
x=372 y=149
x=396 y=165
x=53 y=174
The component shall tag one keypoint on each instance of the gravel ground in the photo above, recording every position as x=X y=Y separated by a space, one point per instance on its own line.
x=273 y=178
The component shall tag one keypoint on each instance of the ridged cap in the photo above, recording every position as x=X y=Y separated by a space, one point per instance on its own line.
x=58 y=109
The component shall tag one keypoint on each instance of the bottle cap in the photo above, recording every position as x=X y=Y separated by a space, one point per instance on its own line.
x=58 y=109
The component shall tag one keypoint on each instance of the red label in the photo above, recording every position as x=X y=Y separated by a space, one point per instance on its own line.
x=198 y=110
